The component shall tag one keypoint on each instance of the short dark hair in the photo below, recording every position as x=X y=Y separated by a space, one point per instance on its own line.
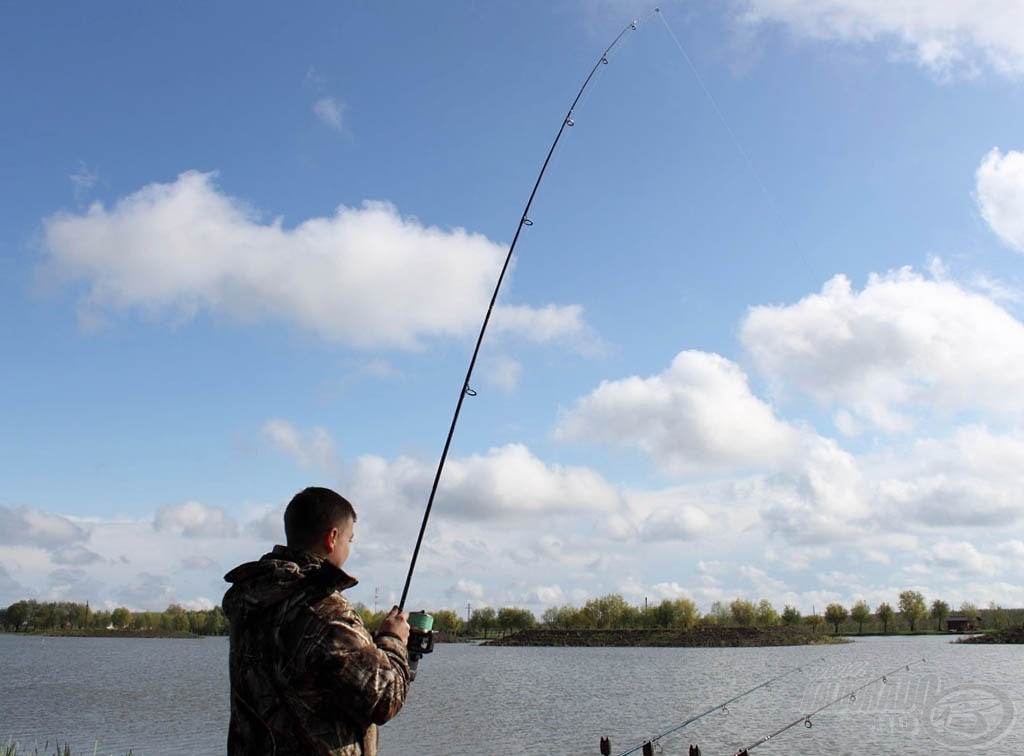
x=312 y=512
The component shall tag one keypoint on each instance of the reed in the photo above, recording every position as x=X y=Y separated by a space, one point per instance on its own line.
x=14 y=749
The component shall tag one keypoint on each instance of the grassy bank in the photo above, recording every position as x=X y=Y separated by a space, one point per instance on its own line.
x=105 y=633
x=698 y=637
x=1009 y=635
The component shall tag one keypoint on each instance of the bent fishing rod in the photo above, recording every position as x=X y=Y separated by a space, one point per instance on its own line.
x=806 y=719
x=720 y=707
x=524 y=221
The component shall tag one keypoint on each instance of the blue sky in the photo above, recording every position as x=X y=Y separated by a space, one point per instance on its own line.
x=763 y=340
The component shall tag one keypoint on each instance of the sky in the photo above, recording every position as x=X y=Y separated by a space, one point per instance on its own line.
x=763 y=338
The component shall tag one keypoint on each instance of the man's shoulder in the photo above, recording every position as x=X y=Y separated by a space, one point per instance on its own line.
x=336 y=611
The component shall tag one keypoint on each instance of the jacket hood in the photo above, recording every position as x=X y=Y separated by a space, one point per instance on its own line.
x=279 y=575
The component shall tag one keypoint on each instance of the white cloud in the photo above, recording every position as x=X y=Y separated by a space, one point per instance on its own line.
x=971 y=479
x=469 y=589
x=31 y=527
x=1000 y=194
x=963 y=558
x=508 y=481
x=268 y=524
x=901 y=345
x=83 y=180
x=366 y=276
x=941 y=35
x=195 y=520
x=331 y=111
x=504 y=372
x=310 y=448
x=75 y=554
x=697 y=415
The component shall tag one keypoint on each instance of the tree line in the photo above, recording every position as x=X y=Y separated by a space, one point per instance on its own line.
x=911 y=613
x=67 y=616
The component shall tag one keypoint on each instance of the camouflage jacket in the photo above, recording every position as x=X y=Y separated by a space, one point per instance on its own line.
x=306 y=675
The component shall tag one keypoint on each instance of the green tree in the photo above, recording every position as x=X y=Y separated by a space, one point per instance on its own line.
x=19 y=614
x=77 y=615
x=612 y=612
x=447 y=621
x=912 y=607
x=687 y=613
x=562 y=617
x=815 y=621
x=216 y=622
x=121 y=618
x=996 y=615
x=791 y=616
x=174 y=618
x=766 y=614
x=940 y=610
x=483 y=620
x=100 y=620
x=835 y=614
x=744 y=613
x=885 y=614
x=719 y=614
x=511 y=619
x=45 y=618
x=860 y=613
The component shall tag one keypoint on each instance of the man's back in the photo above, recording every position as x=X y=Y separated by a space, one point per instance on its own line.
x=306 y=675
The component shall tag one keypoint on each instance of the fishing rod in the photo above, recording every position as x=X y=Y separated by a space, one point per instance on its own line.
x=806 y=719
x=524 y=220
x=647 y=744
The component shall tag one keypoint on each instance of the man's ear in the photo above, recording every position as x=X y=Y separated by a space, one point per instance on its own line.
x=330 y=541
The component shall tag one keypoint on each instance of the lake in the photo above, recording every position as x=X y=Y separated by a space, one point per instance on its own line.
x=162 y=696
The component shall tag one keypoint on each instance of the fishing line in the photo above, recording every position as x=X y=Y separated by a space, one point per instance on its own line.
x=776 y=209
x=524 y=221
x=718 y=111
x=806 y=719
x=721 y=706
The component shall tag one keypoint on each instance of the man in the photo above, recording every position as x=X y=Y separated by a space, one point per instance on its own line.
x=306 y=675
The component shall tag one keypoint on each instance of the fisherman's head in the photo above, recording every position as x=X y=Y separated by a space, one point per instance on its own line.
x=322 y=522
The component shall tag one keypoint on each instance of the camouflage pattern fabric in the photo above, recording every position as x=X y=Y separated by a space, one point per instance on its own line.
x=306 y=675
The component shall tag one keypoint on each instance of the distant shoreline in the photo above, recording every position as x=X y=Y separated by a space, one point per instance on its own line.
x=698 y=637
x=104 y=633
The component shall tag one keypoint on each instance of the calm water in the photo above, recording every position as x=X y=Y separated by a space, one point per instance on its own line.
x=157 y=697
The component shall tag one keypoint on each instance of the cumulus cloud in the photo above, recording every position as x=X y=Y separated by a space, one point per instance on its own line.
x=367 y=277
x=331 y=112
x=508 y=481
x=903 y=343
x=970 y=479
x=1000 y=194
x=75 y=554
x=148 y=591
x=698 y=414
x=195 y=520
x=268 y=525
x=31 y=527
x=468 y=589
x=941 y=35
x=310 y=448
x=963 y=558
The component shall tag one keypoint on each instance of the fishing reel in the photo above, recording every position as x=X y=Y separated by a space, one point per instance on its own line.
x=421 y=639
